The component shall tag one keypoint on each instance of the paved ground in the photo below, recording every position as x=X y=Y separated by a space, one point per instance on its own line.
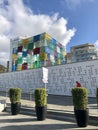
x=25 y=122
x=61 y=103
x=55 y=103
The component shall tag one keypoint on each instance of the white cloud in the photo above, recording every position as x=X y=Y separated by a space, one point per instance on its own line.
x=4 y=49
x=4 y=43
x=73 y=4
x=4 y=57
x=4 y=25
x=18 y=20
x=96 y=44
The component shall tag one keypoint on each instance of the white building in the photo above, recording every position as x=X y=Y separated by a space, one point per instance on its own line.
x=83 y=52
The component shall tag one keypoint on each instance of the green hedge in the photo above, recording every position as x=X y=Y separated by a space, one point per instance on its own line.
x=15 y=95
x=80 y=98
x=40 y=97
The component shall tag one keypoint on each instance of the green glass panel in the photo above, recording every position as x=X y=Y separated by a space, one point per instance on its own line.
x=20 y=60
x=30 y=46
x=51 y=46
x=38 y=64
x=35 y=64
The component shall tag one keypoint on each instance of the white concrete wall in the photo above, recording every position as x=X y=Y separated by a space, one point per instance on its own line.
x=61 y=78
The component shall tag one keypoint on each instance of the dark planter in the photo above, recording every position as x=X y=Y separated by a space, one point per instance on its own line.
x=15 y=108
x=82 y=117
x=41 y=113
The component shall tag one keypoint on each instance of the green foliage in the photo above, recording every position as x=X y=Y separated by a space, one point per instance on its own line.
x=15 y=95
x=80 y=98
x=97 y=95
x=40 y=97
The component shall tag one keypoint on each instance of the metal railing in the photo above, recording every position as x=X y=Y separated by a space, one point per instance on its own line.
x=27 y=94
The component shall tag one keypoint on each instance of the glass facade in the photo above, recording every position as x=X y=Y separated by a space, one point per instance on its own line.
x=35 y=52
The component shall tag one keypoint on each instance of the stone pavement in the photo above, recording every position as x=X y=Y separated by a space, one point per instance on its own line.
x=60 y=107
x=64 y=103
x=60 y=103
x=27 y=122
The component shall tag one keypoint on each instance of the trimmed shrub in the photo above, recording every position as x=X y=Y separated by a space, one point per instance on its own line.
x=80 y=98
x=15 y=95
x=40 y=97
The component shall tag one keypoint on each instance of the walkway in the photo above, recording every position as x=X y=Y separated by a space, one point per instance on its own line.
x=27 y=122
x=60 y=107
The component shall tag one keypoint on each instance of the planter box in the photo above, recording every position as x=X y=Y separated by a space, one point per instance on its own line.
x=15 y=108
x=82 y=117
x=41 y=113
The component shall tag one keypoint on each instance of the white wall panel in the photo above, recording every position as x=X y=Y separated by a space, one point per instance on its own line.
x=62 y=78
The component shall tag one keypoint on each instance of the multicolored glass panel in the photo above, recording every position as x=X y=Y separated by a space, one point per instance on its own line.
x=38 y=51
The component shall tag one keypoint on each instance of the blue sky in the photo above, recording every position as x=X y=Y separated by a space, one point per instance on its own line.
x=71 y=22
x=81 y=14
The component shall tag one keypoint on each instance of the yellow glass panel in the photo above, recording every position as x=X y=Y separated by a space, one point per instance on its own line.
x=19 y=67
x=25 y=41
x=32 y=66
x=47 y=36
x=58 y=61
x=63 y=53
x=14 y=56
x=43 y=56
